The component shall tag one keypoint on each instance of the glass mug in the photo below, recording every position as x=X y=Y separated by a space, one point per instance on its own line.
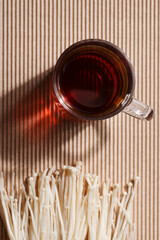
x=94 y=79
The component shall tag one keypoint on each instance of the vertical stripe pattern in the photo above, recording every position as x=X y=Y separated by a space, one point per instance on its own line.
x=34 y=134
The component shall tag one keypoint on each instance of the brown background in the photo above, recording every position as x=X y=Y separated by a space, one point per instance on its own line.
x=32 y=36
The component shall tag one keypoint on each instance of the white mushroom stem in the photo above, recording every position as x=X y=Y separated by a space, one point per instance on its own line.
x=67 y=205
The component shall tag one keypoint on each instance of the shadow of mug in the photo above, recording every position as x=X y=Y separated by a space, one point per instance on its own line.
x=33 y=128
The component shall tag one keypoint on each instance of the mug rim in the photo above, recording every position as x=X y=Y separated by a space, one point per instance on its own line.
x=103 y=43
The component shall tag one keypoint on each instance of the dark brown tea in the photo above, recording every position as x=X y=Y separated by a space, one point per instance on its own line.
x=92 y=83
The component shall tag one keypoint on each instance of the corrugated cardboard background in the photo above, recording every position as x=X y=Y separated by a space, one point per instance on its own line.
x=32 y=36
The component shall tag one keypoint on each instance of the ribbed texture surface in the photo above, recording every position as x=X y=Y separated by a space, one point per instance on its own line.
x=33 y=34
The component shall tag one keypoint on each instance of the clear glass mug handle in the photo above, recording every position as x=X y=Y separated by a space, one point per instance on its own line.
x=139 y=110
